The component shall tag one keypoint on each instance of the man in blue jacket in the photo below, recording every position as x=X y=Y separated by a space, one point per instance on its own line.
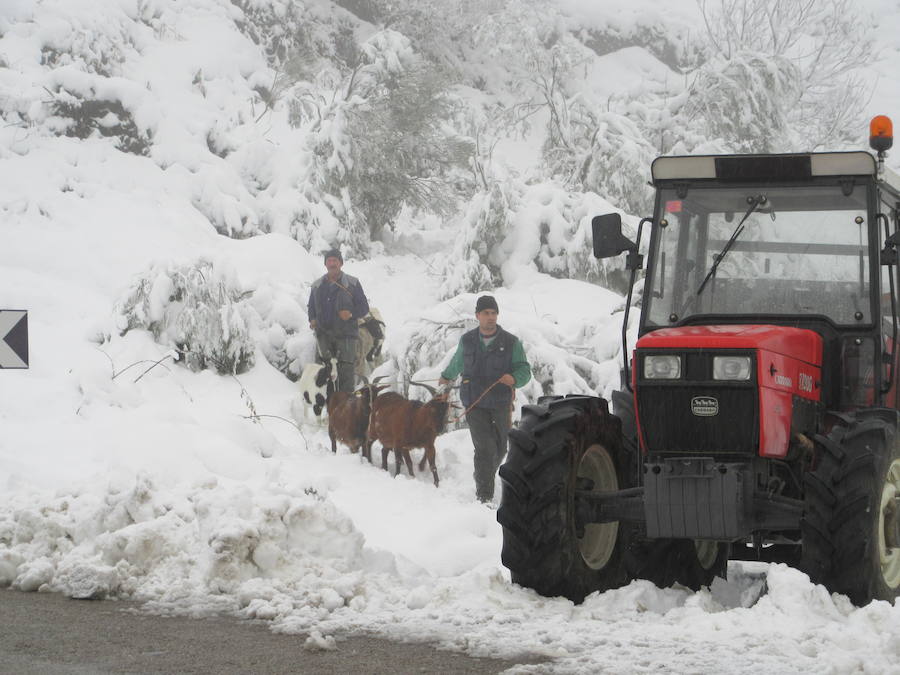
x=493 y=365
x=336 y=301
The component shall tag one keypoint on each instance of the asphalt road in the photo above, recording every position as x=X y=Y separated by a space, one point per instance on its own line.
x=49 y=634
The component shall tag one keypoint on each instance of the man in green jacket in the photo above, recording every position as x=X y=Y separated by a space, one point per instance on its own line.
x=492 y=364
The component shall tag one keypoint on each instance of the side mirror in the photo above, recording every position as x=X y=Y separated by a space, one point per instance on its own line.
x=608 y=238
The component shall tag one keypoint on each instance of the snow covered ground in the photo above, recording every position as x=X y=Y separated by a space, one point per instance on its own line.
x=119 y=477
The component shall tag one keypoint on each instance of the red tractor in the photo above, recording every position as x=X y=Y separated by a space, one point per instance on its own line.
x=759 y=413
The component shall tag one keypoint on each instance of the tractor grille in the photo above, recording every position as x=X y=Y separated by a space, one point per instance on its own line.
x=670 y=424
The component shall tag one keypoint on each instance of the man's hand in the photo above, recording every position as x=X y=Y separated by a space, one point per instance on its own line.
x=443 y=382
x=508 y=380
x=345 y=314
x=313 y=324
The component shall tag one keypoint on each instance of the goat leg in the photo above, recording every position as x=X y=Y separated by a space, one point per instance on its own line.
x=384 y=453
x=429 y=455
x=333 y=441
x=408 y=460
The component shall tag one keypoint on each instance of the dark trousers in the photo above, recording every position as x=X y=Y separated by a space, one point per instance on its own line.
x=342 y=348
x=489 y=428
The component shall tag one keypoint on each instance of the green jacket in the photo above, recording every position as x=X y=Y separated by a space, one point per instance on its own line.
x=480 y=373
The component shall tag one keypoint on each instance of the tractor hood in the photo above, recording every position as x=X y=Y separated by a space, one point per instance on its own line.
x=798 y=343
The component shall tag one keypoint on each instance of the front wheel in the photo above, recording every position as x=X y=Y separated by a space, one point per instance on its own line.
x=566 y=444
x=865 y=524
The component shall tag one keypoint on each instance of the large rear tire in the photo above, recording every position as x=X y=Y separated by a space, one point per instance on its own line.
x=560 y=445
x=865 y=524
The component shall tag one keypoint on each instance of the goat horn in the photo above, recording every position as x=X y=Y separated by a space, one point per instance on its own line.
x=364 y=379
x=378 y=379
x=431 y=390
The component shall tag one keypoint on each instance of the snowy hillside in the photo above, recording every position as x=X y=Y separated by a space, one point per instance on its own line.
x=170 y=172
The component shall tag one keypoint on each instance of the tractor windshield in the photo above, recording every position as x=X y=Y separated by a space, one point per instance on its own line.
x=776 y=250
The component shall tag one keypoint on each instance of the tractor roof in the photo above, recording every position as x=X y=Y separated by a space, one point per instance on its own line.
x=771 y=168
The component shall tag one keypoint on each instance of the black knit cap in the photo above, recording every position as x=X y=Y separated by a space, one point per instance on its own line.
x=334 y=253
x=486 y=302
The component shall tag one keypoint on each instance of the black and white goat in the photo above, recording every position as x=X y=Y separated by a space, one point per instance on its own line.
x=317 y=384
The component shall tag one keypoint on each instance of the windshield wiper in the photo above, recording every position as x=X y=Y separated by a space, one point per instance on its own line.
x=754 y=201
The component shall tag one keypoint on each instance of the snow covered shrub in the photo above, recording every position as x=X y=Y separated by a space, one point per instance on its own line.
x=280 y=28
x=98 y=44
x=282 y=331
x=552 y=233
x=487 y=221
x=515 y=226
x=606 y=153
x=440 y=30
x=196 y=310
x=83 y=118
x=300 y=44
x=222 y=196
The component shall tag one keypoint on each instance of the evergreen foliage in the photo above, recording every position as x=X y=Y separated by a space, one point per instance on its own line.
x=109 y=118
x=379 y=140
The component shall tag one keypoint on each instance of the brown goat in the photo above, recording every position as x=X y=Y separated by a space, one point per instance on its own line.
x=401 y=425
x=349 y=415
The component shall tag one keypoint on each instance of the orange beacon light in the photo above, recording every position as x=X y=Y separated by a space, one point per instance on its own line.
x=881 y=133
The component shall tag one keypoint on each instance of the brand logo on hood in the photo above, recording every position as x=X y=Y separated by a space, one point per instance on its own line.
x=704 y=406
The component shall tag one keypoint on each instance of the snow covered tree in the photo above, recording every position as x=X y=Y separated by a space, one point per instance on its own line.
x=471 y=267
x=606 y=152
x=782 y=72
x=379 y=139
x=741 y=100
x=586 y=146
x=195 y=310
x=405 y=152
x=538 y=56
x=441 y=31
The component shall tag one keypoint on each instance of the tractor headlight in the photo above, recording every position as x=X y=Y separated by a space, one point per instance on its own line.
x=662 y=367
x=731 y=367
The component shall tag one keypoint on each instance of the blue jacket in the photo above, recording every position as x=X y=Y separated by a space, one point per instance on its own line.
x=328 y=297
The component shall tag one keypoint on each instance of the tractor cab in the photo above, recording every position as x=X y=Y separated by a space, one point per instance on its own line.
x=803 y=241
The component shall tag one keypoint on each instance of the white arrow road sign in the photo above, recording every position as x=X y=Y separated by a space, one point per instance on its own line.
x=13 y=338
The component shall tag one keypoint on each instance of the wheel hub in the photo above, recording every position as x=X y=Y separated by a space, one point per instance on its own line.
x=599 y=540
x=707 y=552
x=892 y=523
x=889 y=526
